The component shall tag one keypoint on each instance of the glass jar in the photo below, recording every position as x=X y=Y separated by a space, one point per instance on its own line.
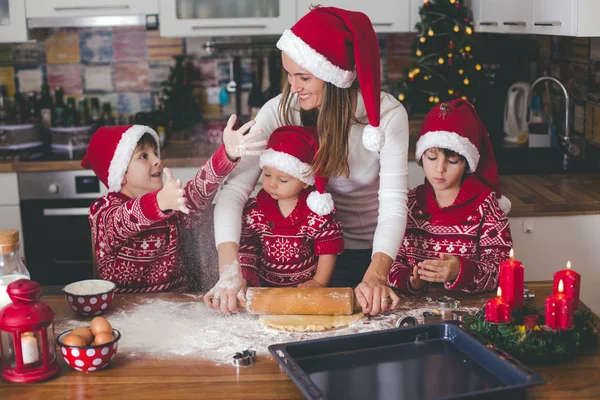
x=11 y=264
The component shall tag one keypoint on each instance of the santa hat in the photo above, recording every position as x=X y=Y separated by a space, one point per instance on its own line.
x=291 y=149
x=110 y=151
x=338 y=45
x=456 y=126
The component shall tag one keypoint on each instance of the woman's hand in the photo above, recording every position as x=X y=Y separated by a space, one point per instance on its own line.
x=374 y=296
x=230 y=288
x=237 y=142
x=310 y=284
x=415 y=280
x=443 y=270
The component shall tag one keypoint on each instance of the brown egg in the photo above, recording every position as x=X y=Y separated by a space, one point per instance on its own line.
x=85 y=333
x=73 y=340
x=100 y=324
x=102 y=337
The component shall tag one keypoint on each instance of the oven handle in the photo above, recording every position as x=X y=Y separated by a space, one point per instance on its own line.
x=65 y=212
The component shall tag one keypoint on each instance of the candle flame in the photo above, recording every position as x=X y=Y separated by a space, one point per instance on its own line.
x=512 y=254
x=568 y=264
x=500 y=291
x=561 y=286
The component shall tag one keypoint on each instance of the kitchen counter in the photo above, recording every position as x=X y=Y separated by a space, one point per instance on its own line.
x=141 y=376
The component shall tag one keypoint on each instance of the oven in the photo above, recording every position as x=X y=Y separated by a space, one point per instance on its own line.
x=56 y=231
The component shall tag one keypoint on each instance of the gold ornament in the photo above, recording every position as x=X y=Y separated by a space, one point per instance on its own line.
x=452 y=1
x=430 y=32
x=426 y=78
x=461 y=71
x=478 y=67
x=431 y=99
x=436 y=99
x=401 y=97
x=419 y=53
x=456 y=28
x=467 y=48
x=422 y=39
x=440 y=60
x=469 y=30
x=449 y=55
x=463 y=97
x=425 y=1
x=466 y=81
x=450 y=91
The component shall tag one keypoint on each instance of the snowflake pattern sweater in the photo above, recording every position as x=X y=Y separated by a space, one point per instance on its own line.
x=278 y=251
x=473 y=228
x=137 y=245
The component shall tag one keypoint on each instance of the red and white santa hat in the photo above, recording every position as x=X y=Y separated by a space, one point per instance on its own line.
x=456 y=126
x=291 y=149
x=338 y=45
x=110 y=151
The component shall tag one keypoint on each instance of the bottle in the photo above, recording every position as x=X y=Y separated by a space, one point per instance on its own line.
x=95 y=114
x=71 y=117
x=11 y=264
x=83 y=113
x=33 y=112
x=3 y=104
x=21 y=112
x=45 y=105
x=59 y=109
x=107 y=117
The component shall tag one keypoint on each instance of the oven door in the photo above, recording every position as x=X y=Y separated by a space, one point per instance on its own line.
x=58 y=245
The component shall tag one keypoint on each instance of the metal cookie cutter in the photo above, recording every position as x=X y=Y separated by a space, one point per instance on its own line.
x=245 y=358
x=406 y=321
x=459 y=315
x=448 y=302
x=527 y=294
x=431 y=317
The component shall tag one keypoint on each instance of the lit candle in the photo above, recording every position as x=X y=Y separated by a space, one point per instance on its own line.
x=571 y=280
x=559 y=310
x=512 y=281
x=29 y=348
x=497 y=310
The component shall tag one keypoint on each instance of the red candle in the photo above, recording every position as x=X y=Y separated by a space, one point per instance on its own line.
x=559 y=310
x=512 y=281
x=571 y=280
x=497 y=310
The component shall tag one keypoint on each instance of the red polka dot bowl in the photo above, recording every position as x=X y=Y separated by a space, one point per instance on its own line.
x=89 y=297
x=89 y=358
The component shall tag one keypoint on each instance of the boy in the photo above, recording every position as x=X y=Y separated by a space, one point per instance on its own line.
x=136 y=226
x=289 y=236
x=457 y=231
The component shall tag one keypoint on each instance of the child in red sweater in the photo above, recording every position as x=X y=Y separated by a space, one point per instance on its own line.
x=289 y=235
x=136 y=226
x=457 y=231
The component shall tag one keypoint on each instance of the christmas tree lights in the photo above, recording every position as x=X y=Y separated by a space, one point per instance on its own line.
x=443 y=67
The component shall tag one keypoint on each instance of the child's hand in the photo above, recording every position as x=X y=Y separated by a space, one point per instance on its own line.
x=310 y=284
x=415 y=280
x=443 y=270
x=170 y=197
x=236 y=143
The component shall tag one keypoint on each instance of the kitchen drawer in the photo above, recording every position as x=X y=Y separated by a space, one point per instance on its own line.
x=554 y=17
x=79 y=8
x=13 y=23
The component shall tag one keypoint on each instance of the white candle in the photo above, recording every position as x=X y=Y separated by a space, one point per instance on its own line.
x=29 y=348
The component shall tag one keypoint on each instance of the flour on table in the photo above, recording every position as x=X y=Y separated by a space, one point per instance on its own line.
x=165 y=329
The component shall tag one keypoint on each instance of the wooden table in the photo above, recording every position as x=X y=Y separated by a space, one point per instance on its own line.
x=146 y=378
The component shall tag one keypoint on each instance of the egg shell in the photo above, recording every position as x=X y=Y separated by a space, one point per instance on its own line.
x=73 y=340
x=103 y=337
x=100 y=324
x=85 y=333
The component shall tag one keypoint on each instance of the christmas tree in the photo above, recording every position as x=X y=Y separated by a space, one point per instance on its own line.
x=443 y=66
x=179 y=107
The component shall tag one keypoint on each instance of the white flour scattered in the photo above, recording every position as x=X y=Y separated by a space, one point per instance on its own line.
x=166 y=329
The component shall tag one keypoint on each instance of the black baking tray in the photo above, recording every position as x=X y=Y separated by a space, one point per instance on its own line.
x=437 y=361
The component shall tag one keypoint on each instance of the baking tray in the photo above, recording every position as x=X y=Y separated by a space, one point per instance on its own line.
x=436 y=361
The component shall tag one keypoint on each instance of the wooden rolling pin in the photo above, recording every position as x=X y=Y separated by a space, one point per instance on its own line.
x=301 y=301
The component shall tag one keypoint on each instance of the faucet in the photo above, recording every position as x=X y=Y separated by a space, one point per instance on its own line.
x=568 y=148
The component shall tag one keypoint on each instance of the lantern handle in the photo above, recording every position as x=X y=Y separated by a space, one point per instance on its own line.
x=24 y=291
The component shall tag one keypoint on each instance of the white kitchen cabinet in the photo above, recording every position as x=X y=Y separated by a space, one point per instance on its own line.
x=545 y=244
x=13 y=23
x=88 y=8
x=184 y=18
x=386 y=15
x=414 y=17
x=503 y=16
x=10 y=211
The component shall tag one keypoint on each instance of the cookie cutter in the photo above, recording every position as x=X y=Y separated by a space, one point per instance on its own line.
x=431 y=317
x=406 y=321
x=527 y=294
x=244 y=358
x=459 y=315
x=446 y=302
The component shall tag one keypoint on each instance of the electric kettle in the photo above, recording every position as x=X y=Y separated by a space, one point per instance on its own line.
x=515 y=111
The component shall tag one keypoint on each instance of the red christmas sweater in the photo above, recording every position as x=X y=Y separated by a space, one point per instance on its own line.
x=473 y=228
x=278 y=251
x=137 y=245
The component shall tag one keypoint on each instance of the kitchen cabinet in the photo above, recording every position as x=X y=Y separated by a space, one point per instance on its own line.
x=13 y=23
x=10 y=211
x=88 y=8
x=386 y=15
x=414 y=17
x=545 y=244
x=540 y=17
x=184 y=18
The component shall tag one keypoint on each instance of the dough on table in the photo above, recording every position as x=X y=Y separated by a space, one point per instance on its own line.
x=309 y=323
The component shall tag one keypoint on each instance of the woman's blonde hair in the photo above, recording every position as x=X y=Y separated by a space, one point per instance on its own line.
x=333 y=123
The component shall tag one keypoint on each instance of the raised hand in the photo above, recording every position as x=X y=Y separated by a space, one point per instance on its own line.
x=415 y=280
x=237 y=144
x=170 y=197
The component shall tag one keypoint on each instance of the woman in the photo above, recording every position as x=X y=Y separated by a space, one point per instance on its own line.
x=363 y=136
